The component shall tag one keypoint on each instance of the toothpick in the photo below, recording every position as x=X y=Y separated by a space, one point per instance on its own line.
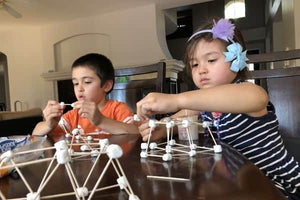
x=166 y=178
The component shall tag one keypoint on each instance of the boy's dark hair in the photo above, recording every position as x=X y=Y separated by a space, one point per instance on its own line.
x=100 y=64
x=191 y=45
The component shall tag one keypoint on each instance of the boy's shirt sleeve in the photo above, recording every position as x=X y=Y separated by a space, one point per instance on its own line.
x=118 y=111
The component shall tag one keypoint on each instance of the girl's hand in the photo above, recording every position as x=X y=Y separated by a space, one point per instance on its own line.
x=89 y=110
x=156 y=103
x=52 y=113
x=157 y=133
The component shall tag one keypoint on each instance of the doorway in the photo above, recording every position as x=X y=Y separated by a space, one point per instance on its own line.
x=4 y=84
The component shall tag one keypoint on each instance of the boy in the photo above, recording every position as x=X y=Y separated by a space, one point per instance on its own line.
x=93 y=78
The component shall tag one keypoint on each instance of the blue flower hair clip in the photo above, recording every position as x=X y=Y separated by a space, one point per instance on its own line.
x=224 y=30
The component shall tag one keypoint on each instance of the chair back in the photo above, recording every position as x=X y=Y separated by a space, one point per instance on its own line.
x=284 y=92
x=134 y=89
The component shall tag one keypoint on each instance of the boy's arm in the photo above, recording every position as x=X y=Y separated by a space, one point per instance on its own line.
x=42 y=129
x=52 y=113
x=116 y=127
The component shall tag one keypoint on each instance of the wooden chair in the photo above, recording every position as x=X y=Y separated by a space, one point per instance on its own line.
x=134 y=89
x=283 y=90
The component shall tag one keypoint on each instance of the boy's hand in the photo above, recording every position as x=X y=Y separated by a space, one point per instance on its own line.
x=157 y=133
x=52 y=113
x=156 y=103
x=89 y=110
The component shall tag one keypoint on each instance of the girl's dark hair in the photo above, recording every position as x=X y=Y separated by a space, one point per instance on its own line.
x=100 y=64
x=191 y=45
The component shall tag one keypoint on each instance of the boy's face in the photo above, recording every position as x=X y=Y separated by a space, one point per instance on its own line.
x=87 y=85
x=208 y=65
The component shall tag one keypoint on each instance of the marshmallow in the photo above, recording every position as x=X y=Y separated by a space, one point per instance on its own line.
x=68 y=135
x=33 y=196
x=62 y=104
x=5 y=157
x=152 y=123
x=84 y=148
x=77 y=137
x=169 y=125
x=89 y=138
x=82 y=191
x=122 y=182
x=152 y=145
x=217 y=148
x=114 y=151
x=71 y=151
x=143 y=154
x=168 y=149
x=172 y=142
x=144 y=145
x=133 y=197
x=75 y=131
x=103 y=143
x=63 y=156
x=192 y=153
x=186 y=123
x=94 y=153
x=167 y=157
x=205 y=124
x=61 y=145
x=136 y=118
x=193 y=146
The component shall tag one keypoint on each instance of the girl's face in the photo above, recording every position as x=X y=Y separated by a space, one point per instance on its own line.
x=87 y=85
x=208 y=66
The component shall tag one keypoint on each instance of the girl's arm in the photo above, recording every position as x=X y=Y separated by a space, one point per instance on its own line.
x=245 y=98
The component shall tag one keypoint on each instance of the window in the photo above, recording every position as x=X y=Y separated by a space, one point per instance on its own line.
x=234 y=9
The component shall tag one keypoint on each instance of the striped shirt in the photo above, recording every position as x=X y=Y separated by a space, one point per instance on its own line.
x=257 y=138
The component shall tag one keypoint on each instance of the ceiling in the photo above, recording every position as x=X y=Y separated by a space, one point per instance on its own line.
x=37 y=12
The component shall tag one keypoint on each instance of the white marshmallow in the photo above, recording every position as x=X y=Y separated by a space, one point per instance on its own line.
x=205 y=124
x=133 y=197
x=152 y=123
x=186 y=123
x=77 y=137
x=71 y=151
x=94 y=153
x=152 y=145
x=144 y=145
x=193 y=146
x=169 y=125
x=114 y=151
x=61 y=145
x=136 y=118
x=103 y=143
x=172 y=142
x=217 y=148
x=75 y=131
x=33 y=196
x=89 y=138
x=82 y=191
x=167 y=157
x=192 y=153
x=122 y=182
x=143 y=154
x=5 y=157
x=84 y=148
x=62 y=104
x=68 y=135
x=168 y=149
x=63 y=156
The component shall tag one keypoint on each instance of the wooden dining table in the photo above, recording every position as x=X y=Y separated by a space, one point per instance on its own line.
x=227 y=175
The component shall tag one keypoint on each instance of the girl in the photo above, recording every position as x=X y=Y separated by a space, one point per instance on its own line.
x=215 y=58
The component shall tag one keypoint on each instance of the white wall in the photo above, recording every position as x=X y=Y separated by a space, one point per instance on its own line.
x=134 y=41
